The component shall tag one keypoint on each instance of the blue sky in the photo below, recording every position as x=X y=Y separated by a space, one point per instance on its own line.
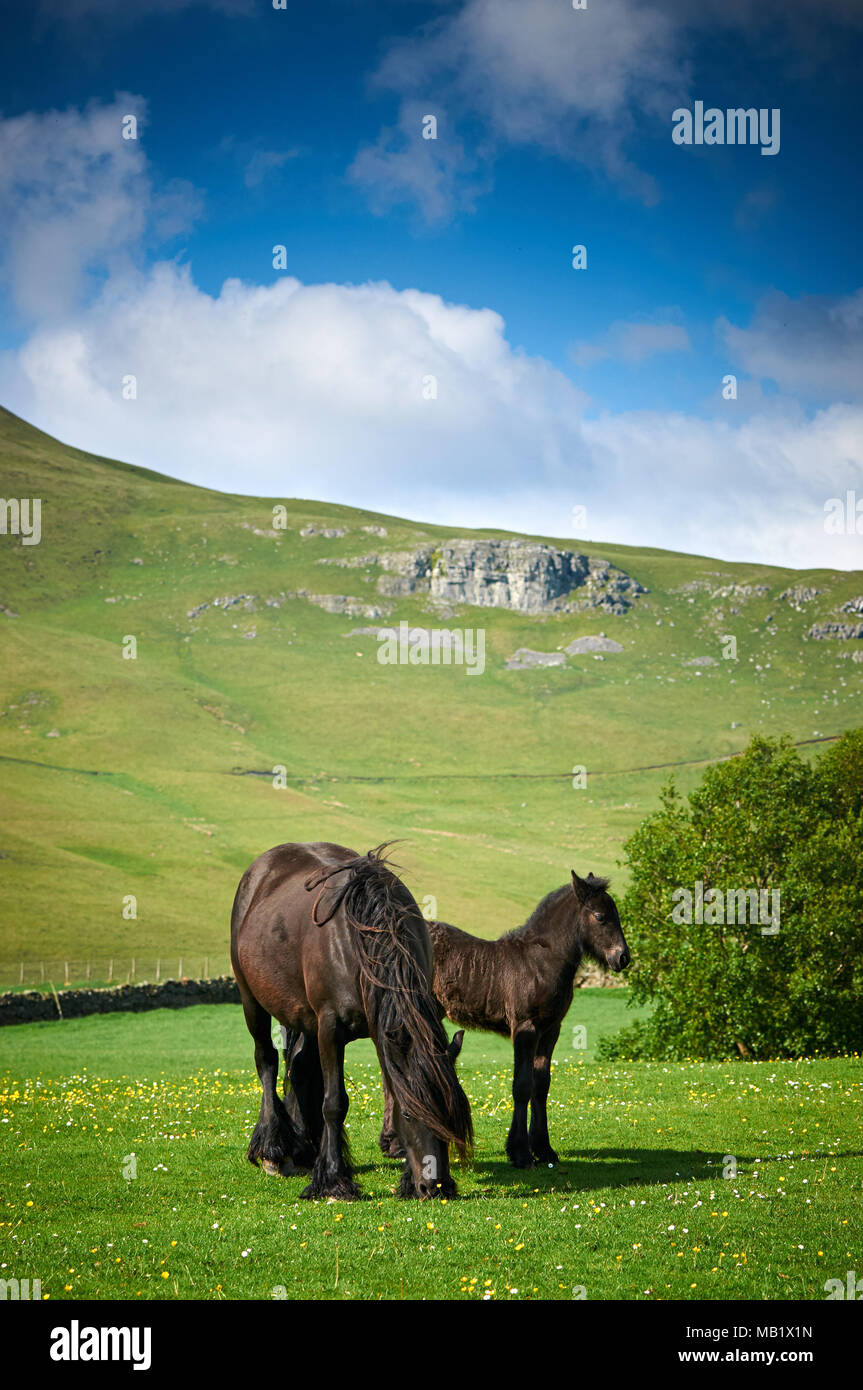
x=408 y=259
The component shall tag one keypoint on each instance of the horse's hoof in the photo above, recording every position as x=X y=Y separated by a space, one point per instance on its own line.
x=521 y=1160
x=549 y=1157
x=342 y=1190
x=286 y=1169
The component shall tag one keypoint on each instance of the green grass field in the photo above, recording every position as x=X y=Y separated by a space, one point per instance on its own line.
x=639 y=1209
x=122 y=777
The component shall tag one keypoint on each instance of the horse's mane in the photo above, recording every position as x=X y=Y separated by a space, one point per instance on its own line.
x=537 y=917
x=402 y=1016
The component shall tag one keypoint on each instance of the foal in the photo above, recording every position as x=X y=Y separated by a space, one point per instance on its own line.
x=521 y=986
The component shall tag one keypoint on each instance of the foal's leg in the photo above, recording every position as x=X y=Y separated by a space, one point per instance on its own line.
x=538 y=1133
x=275 y=1142
x=390 y=1144
x=331 y=1175
x=524 y=1047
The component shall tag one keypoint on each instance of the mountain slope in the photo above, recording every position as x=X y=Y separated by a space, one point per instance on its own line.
x=136 y=776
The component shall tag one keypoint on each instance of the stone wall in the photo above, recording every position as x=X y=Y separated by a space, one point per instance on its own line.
x=31 y=1006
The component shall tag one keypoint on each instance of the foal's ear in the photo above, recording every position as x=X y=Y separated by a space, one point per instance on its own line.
x=579 y=887
x=455 y=1046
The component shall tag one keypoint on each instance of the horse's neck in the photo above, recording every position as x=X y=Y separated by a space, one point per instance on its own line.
x=557 y=930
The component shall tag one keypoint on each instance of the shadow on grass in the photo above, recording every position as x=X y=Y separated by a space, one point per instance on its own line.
x=596 y=1169
x=593 y=1170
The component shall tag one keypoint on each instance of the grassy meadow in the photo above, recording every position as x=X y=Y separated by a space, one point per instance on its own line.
x=645 y=1205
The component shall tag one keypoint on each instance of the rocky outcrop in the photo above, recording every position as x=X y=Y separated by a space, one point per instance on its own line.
x=229 y=601
x=268 y=531
x=582 y=646
x=524 y=659
x=350 y=562
x=701 y=661
x=695 y=586
x=341 y=603
x=843 y=632
x=742 y=591
x=331 y=603
x=854 y=605
x=329 y=533
x=589 y=975
x=522 y=576
x=799 y=593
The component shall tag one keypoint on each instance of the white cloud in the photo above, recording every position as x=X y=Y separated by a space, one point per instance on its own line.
x=313 y=389
x=749 y=491
x=76 y=201
x=633 y=343
x=320 y=390
x=574 y=82
x=317 y=391
x=581 y=84
x=402 y=166
x=812 y=345
x=258 y=164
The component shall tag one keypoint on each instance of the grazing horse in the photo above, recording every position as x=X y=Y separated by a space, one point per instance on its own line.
x=332 y=945
x=521 y=985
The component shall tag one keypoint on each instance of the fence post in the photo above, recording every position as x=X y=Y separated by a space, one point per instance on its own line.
x=158 y=969
x=56 y=998
x=110 y=970
x=66 y=970
x=21 y=979
x=180 y=968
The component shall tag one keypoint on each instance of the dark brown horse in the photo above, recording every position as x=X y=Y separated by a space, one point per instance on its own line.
x=521 y=986
x=333 y=946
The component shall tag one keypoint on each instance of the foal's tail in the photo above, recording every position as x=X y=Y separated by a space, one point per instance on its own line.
x=402 y=1014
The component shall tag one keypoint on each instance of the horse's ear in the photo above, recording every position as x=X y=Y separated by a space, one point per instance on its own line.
x=455 y=1046
x=579 y=887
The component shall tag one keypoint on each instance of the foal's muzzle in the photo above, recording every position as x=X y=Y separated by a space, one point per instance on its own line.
x=620 y=959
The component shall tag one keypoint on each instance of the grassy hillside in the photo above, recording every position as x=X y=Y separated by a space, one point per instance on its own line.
x=126 y=777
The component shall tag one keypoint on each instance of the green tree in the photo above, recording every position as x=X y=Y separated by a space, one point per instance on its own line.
x=767 y=821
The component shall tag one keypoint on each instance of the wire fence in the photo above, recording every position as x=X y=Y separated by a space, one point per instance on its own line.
x=112 y=970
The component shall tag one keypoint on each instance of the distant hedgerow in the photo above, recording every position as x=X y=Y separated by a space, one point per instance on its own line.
x=764 y=830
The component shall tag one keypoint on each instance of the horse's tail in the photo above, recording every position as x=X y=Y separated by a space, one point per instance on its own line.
x=403 y=1017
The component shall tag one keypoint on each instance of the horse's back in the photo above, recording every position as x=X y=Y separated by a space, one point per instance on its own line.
x=467 y=978
x=277 y=866
x=277 y=950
